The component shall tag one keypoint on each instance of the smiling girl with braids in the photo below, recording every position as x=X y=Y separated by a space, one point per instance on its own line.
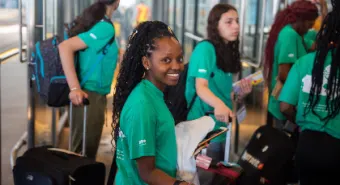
x=313 y=87
x=284 y=46
x=143 y=125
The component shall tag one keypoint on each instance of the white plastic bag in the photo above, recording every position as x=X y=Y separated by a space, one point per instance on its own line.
x=188 y=135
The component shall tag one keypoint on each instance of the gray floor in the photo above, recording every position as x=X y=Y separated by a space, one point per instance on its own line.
x=13 y=111
x=14 y=119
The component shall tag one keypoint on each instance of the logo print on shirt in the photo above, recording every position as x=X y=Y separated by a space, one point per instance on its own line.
x=202 y=70
x=307 y=82
x=93 y=35
x=142 y=142
x=121 y=134
x=291 y=55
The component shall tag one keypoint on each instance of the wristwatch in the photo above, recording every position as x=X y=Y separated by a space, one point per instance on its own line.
x=178 y=182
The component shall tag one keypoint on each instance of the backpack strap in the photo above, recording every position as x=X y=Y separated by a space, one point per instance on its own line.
x=211 y=76
x=195 y=96
x=106 y=19
x=92 y=69
x=102 y=52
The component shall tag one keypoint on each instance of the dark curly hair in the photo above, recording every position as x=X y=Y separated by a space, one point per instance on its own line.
x=300 y=10
x=141 y=44
x=227 y=55
x=328 y=40
x=89 y=17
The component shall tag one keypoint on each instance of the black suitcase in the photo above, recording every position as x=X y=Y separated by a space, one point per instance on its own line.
x=52 y=166
x=268 y=158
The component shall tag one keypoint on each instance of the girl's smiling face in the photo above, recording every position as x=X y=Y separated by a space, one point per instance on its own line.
x=165 y=63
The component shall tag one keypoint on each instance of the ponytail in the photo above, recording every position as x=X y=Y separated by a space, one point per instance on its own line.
x=89 y=17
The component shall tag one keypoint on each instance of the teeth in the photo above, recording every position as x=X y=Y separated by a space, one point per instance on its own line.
x=173 y=75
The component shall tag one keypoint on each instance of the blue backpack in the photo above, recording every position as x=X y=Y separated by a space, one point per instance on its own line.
x=48 y=73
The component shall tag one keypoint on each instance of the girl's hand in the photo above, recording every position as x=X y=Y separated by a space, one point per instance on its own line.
x=77 y=96
x=246 y=88
x=223 y=113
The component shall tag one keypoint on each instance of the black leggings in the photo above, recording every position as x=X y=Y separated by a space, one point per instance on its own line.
x=318 y=158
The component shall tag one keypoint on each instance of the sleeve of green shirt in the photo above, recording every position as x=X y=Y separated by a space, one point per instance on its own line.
x=98 y=36
x=290 y=91
x=142 y=136
x=309 y=43
x=288 y=50
x=200 y=65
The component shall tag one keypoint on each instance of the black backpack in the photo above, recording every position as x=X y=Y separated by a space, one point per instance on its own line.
x=47 y=70
x=174 y=97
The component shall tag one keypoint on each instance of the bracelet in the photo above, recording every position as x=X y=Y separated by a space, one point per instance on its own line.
x=74 y=88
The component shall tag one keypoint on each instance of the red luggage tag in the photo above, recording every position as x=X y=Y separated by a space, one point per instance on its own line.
x=203 y=161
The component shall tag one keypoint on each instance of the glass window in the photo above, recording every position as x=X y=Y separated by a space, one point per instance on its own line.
x=249 y=30
x=171 y=13
x=179 y=19
x=236 y=4
x=190 y=15
x=188 y=47
x=50 y=18
x=204 y=7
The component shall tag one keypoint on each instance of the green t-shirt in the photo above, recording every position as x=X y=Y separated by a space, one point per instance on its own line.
x=288 y=48
x=296 y=92
x=310 y=37
x=96 y=38
x=147 y=128
x=203 y=65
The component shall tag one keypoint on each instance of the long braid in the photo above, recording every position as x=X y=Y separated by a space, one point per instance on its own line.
x=299 y=10
x=328 y=39
x=141 y=43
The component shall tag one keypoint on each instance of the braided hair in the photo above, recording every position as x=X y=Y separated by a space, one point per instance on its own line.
x=227 y=55
x=298 y=11
x=141 y=44
x=328 y=40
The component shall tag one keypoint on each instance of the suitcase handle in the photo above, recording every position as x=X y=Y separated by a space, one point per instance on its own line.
x=86 y=103
x=59 y=150
x=64 y=154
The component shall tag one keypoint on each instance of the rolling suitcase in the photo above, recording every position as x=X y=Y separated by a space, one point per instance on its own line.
x=268 y=157
x=52 y=166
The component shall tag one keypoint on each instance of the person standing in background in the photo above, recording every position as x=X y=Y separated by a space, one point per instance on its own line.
x=90 y=33
x=210 y=77
x=284 y=46
x=311 y=98
x=142 y=13
x=311 y=34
